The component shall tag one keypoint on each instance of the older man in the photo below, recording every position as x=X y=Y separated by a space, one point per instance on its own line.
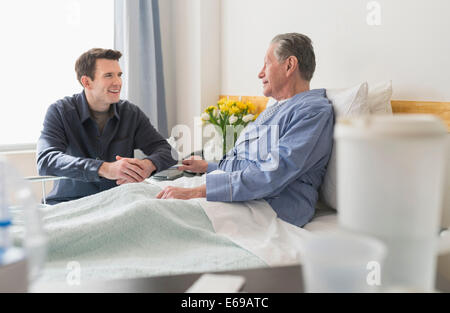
x=288 y=174
x=91 y=136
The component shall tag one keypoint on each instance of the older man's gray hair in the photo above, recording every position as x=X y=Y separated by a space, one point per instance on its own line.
x=300 y=46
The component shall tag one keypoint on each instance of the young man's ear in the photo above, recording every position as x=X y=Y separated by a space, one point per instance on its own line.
x=86 y=81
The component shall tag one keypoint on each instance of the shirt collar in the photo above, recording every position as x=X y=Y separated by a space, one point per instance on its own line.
x=116 y=114
x=319 y=92
x=300 y=96
x=83 y=108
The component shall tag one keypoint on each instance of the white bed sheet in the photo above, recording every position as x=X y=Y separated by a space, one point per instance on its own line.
x=254 y=225
x=118 y=240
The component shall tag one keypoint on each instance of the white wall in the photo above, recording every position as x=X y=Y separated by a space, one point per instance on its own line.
x=190 y=33
x=411 y=46
x=217 y=46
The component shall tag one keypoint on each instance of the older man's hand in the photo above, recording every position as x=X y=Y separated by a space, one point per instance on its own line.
x=172 y=192
x=194 y=164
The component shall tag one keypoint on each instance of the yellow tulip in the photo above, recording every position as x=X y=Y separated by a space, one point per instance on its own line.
x=250 y=106
x=242 y=105
x=234 y=110
x=223 y=108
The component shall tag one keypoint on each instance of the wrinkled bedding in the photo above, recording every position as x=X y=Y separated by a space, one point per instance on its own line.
x=125 y=232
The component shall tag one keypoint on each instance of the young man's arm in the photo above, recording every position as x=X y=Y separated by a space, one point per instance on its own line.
x=51 y=152
x=150 y=141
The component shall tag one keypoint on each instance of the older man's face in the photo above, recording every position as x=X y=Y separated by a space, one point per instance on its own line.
x=272 y=74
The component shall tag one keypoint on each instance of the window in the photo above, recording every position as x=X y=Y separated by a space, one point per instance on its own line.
x=40 y=42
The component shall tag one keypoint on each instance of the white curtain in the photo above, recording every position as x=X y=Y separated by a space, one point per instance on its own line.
x=138 y=37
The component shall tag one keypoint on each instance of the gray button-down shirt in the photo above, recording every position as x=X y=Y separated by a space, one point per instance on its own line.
x=71 y=145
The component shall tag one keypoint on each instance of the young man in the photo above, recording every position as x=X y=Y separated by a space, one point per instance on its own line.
x=291 y=170
x=91 y=136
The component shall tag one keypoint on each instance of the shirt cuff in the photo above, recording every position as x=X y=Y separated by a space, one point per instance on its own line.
x=211 y=167
x=156 y=162
x=218 y=187
x=92 y=171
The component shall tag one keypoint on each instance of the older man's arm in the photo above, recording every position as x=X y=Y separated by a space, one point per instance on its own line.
x=307 y=141
x=300 y=148
x=172 y=192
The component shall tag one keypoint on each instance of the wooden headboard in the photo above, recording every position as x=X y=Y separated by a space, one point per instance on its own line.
x=440 y=109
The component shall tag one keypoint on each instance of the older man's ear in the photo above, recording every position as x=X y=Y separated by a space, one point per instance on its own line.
x=292 y=64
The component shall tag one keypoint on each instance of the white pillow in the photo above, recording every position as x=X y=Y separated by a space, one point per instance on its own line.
x=346 y=102
x=379 y=98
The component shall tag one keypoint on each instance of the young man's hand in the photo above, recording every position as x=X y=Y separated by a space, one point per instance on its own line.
x=127 y=170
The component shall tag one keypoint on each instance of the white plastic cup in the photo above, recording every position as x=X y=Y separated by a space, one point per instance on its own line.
x=342 y=262
x=390 y=175
x=445 y=223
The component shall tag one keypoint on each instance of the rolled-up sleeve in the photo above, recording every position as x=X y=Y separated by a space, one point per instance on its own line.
x=304 y=143
x=51 y=157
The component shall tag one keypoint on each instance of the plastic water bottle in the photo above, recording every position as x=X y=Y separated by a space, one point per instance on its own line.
x=13 y=262
x=22 y=240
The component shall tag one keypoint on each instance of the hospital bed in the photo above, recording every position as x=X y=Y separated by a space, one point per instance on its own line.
x=125 y=232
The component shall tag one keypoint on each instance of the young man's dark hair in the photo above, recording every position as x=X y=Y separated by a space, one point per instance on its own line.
x=85 y=65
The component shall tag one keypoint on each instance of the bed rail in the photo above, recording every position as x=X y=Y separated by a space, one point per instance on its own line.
x=42 y=180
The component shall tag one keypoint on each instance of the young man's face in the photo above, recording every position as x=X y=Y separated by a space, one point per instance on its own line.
x=272 y=74
x=105 y=88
